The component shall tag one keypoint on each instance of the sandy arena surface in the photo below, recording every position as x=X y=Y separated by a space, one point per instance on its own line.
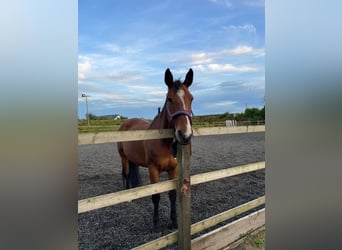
x=128 y=225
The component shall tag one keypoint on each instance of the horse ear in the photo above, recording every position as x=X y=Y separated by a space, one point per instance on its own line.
x=168 y=78
x=189 y=78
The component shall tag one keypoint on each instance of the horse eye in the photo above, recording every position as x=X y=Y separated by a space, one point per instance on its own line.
x=169 y=99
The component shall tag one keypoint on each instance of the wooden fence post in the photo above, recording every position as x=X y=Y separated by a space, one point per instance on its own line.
x=184 y=197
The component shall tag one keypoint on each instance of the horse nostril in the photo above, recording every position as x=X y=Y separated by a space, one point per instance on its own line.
x=181 y=134
x=184 y=139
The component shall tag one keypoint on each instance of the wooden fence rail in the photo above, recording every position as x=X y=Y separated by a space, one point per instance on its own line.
x=106 y=200
x=172 y=238
x=135 y=135
x=232 y=232
x=184 y=224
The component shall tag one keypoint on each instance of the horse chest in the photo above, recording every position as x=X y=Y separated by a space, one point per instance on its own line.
x=162 y=158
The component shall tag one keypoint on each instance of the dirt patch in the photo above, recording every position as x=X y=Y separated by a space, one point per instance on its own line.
x=128 y=225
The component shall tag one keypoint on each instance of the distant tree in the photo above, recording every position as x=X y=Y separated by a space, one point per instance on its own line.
x=262 y=113
x=254 y=114
x=92 y=116
x=240 y=116
x=226 y=116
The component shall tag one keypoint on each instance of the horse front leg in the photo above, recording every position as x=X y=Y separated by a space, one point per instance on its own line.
x=156 y=223
x=154 y=178
x=173 y=213
x=172 y=196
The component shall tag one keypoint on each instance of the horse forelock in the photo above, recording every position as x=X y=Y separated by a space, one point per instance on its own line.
x=177 y=84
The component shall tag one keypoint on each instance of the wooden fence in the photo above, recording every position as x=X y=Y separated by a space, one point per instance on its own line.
x=252 y=221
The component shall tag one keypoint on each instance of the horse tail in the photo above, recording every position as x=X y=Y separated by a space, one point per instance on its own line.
x=134 y=175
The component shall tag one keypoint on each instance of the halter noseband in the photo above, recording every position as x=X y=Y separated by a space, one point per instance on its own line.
x=171 y=116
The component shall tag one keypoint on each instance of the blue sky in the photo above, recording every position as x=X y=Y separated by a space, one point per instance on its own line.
x=126 y=46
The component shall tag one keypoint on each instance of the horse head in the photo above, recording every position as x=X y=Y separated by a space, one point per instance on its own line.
x=178 y=105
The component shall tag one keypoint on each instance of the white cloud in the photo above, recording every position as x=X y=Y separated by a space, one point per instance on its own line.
x=241 y=50
x=125 y=76
x=226 y=3
x=256 y=84
x=254 y=3
x=202 y=57
x=247 y=27
x=123 y=50
x=150 y=90
x=114 y=97
x=83 y=68
x=208 y=57
x=224 y=103
x=215 y=67
x=112 y=47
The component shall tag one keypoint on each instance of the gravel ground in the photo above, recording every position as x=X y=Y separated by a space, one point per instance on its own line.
x=128 y=225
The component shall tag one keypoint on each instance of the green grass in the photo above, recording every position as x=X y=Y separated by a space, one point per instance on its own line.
x=106 y=125
x=114 y=127
x=96 y=129
x=96 y=126
x=257 y=240
x=254 y=116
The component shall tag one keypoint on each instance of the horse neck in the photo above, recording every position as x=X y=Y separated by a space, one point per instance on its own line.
x=161 y=120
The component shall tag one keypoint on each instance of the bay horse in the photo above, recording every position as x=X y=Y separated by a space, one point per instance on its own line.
x=158 y=155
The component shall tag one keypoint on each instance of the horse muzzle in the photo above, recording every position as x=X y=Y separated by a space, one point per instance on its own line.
x=183 y=138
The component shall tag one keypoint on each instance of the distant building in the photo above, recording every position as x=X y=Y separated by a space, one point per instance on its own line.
x=114 y=117
x=230 y=123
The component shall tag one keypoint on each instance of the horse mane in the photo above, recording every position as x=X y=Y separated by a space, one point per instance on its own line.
x=155 y=117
